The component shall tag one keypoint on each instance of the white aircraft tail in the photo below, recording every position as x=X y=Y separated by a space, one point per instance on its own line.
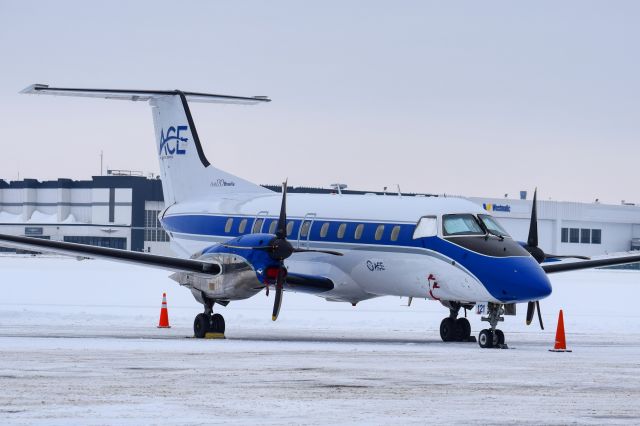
x=185 y=171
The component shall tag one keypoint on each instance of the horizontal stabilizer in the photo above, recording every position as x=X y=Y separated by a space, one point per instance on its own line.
x=142 y=95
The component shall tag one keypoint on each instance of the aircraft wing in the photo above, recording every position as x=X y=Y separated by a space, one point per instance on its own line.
x=134 y=257
x=565 y=266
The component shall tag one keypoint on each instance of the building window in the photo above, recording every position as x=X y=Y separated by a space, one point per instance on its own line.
x=596 y=236
x=395 y=232
x=257 y=226
x=341 y=230
x=111 y=242
x=228 y=225
x=324 y=230
x=379 y=232
x=574 y=235
x=153 y=230
x=358 y=234
x=242 y=226
x=564 y=235
x=585 y=236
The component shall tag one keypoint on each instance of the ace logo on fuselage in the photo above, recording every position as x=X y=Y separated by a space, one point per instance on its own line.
x=172 y=143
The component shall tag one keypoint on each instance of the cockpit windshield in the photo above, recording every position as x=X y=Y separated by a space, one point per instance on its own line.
x=461 y=224
x=492 y=225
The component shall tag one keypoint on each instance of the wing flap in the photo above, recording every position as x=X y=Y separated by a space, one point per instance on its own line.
x=134 y=257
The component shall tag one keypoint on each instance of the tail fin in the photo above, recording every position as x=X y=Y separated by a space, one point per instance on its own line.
x=185 y=171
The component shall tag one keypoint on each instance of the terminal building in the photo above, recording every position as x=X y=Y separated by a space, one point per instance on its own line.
x=122 y=211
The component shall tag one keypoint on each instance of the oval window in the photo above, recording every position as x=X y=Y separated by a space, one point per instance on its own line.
x=324 y=230
x=341 y=230
x=379 y=232
x=395 y=232
x=257 y=226
x=289 y=228
x=242 y=226
x=228 y=225
x=304 y=230
x=358 y=233
x=272 y=227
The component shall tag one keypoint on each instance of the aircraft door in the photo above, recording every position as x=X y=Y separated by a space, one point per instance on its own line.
x=305 y=230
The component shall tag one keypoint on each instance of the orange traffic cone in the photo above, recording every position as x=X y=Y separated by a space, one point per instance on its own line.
x=164 y=313
x=561 y=343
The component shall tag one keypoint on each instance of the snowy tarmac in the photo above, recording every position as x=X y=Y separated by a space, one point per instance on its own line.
x=78 y=345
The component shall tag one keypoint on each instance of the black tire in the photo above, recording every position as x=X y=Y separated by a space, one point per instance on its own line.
x=201 y=325
x=498 y=338
x=485 y=339
x=448 y=330
x=217 y=323
x=464 y=329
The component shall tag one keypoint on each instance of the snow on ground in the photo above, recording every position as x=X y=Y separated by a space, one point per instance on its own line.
x=78 y=345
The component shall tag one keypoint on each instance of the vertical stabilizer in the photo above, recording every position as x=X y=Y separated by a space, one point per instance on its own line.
x=185 y=171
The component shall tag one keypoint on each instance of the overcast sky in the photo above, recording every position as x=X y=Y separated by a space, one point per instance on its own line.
x=471 y=98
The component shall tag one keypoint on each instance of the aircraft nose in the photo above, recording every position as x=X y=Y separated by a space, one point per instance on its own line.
x=523 y=280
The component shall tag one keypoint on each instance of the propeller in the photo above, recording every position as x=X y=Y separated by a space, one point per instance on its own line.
x=280 y=249
x=532 y=240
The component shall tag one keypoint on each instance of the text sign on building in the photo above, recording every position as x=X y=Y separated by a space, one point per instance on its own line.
x=33 y=230
x=497 y=207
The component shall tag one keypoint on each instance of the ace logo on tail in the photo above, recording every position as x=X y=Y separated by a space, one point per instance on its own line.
x=173 y=143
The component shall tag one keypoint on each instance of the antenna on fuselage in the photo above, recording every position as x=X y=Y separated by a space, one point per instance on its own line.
x=339 y=187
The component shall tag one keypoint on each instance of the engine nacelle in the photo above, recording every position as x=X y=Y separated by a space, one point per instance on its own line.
x=236 y=281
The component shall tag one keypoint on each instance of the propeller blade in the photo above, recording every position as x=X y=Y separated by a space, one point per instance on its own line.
x=531 y=308
x=277 y=303
x=281 y=229
x=539 y=314
x=334 y=253
x=565 y=256
x=532 y=240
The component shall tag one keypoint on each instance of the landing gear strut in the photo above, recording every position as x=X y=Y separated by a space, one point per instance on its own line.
x=208 y=322
x=492 y=337
x=454 y=329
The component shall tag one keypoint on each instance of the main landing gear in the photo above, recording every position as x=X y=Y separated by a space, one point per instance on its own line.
x=492 y=337
x=208 y=322
x=454 y=329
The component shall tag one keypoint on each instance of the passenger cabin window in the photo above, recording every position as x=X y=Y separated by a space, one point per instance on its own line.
x=257 y=226
x=492 y=225
x=426 y=227
x=272 y=227
x=379 y=232
x=358 y=233
x=461 y=224
x=304 y=230
x=289 y=228
x=395 y=232
x=341 y=230
x=228 y=225
x=324 y=230
x=242 y=226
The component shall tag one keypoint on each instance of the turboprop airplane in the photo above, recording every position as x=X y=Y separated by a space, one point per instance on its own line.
x=236 y=239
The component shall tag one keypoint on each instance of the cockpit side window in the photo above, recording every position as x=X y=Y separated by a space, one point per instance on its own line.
x=426 y=227
x=492 y=225
x=461 y=224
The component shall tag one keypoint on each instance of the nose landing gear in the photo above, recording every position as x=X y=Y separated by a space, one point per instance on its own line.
x=492 y=337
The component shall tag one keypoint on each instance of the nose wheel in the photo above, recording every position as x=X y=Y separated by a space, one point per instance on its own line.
x=492 y=337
